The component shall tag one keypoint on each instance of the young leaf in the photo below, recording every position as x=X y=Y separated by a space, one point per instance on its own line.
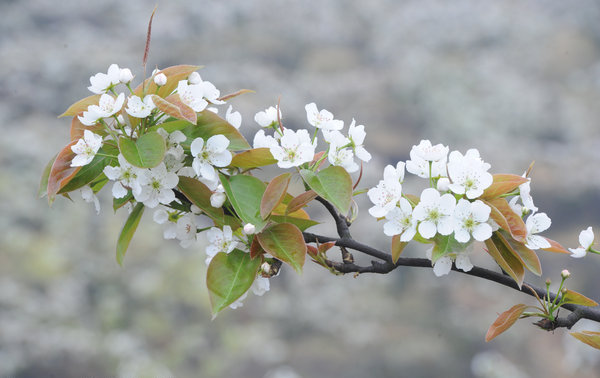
x=174 y=74
x=555 y=247
x=254 y=158
x=505 y=321
x=285 y=242
x=578 y=299
x=87 y=173
x=274 y=193
x=445 y=245
x=502 y=184
x=235 y=94
x=589 y=337
x=210 y=124
x=507 y=261
x=146 y=152
x=333 y=184
x=174 y=107
x=516 y=226
x=300 y=201
x=199 y=194
x=81 y=105
x=128 y=230
x=301 y=223
x=229 y=276
x=397 y=248
x=497 y=216
x=43 y=189
x=528 y=257
x=61 y=172
x=255 y=248
x=171 y=126
x=245 y=193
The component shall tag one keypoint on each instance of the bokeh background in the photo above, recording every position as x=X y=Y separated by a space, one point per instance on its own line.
x=520 y=80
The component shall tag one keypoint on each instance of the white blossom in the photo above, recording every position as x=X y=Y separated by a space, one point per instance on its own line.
x=219 y=241
x=192 y=95
x=211 y=93
x=138 y=108
x=157 y=186
x=125 y=75
x=435 y=213
x=322 y=119
x=211 y=154
x=400 y=222
x=586 y=239
x=126 y=176
x=263 y=141
x=102 y=82
x=342 y=157
x=88 y=195
x=443 y=265
x=267 y=117
x=388 y=191
x=234 y=118
x=186 y=230
x=107 y=106
x=260 y=286
x=357 y=135
x=194 y=78
x=86 y=148
x=294 y=149
x=173 y=141
x=427 y=160
x=468 y=174
x=470 y=218
x=217 y=199
x=535 y=224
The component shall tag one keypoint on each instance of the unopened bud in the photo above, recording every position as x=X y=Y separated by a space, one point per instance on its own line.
x=217 y=199
x=564 y=291
x=249 y=229
x=565 y=274
x=160 y=79
x=125 y=76
x=121 y=119
x=548 y=282
x=194 y=78
x=442 y=184
x=195 y=210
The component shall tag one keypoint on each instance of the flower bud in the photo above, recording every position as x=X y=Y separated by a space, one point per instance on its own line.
x=155 y=71
x=194 y=78
x=564 y=291
x=217 y=199
x=160 y=79
x=548 y=282
x=442 y=184
x=565 y=274
x=125 y=76
x=195 y=210
x=249 y=229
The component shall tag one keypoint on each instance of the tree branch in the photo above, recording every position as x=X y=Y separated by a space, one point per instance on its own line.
x=341 y=222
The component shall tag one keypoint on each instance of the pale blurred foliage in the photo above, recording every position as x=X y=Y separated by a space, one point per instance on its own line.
x=518 y=80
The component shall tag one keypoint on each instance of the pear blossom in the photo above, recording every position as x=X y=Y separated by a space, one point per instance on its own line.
x=342 y=157
x=293 y=149
x=427 y=160
x=138 y=108
x=565 y=274
x=260 y=286
x=443 y=265
x=234 y=118
x=357 y=135
x=535 y=224
x=322 y=119
x=192 y=95
x=173 y=141
x=219 y=241
x=162 y=216
x=157 y=186
x=211 y=154
x=388 y=191
x=468 y=174
x=160 y=79
x=470 y=218
x=400 y=222
x=217 y=199
x=103 y=82
x=186 y=230
x=107 y=106
x=211 y=93
x=126 y=176
x=263 y=141
x=194 y=78
x=586 y=239
x=86 y=148
x=526 y=199
x=267 y=117
x=125 y=75
x=88 y=195
x=435 y=213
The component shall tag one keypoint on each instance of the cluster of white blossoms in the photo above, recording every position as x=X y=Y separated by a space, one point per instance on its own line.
x=450 y=206
x=295 y=148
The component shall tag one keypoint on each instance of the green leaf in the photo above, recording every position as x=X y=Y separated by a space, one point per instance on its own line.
x=301 y=223
x=210 y=124
x=87 y=173
x=43 y=189
x=588 y=337
x=245 y=194
x=507 y=261
x=445 y=245
x=128 y=230
x=333 y=184
x=579 y=299
x=147 y=151
x=505 y=321
x=199 y=194
x=229 y=276
x=120 y=202
x=285 y=242
x=171 y=126
x=254 y=158
x=274 y=193
x=502 y=184
x=397 y=248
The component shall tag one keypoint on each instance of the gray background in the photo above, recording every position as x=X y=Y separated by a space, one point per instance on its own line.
x=520 y=80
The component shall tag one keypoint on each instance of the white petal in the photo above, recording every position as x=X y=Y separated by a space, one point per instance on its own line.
x=482 y=232
x=463 y=262
x=118 y=190
x=577 y=252
x=217 y=143
x=442 y=266
x=427 y=229
x=586 y=238
x=461 y=235
x=221 y=159
x=197 y=146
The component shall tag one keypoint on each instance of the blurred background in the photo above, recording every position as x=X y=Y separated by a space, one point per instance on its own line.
x=520 y=80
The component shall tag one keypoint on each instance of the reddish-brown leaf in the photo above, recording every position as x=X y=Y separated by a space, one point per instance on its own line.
x=274 y=193
x=527 y=257
x=77 y=129
x=316 y=158
x=516 y=226
x=397 y=248
x=589 y=337
x=235 y=94
x=178 y=110
x=507 y=261
x=555 y=247
x=81 y=105
x=186 y=111
x=312 y=251
x=503 y=183
x=256 y=249
x=324 y=247
x=505 y=321
x=497 y=216
x=174 y=75
x=285 y=242
x=61 y=172
x=300 y=201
